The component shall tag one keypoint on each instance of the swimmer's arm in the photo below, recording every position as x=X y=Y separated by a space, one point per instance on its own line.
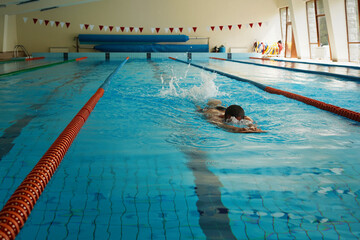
x=248 y=118
x=234 y=129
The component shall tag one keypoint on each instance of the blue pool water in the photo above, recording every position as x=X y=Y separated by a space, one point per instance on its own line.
x=146 y=165
x=332 y=90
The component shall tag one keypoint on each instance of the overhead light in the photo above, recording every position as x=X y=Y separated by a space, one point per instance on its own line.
x=29 y=1
x=49 y=8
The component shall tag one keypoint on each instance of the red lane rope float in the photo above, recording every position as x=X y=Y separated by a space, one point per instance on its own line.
x=34 y=58
x=79 y=59
x=324 y=106
x=260 y=58
x=218 y=58
x=18 y=208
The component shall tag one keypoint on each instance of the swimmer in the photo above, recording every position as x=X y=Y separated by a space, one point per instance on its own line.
x=222 y=117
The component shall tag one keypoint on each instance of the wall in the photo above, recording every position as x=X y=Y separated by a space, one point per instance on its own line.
x=155 y=13
x=282 y=3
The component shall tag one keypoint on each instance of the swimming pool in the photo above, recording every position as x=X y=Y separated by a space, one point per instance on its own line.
x=146 y=165
x=17 y=65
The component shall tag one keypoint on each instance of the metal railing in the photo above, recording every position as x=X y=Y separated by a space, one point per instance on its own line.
x=21 y=48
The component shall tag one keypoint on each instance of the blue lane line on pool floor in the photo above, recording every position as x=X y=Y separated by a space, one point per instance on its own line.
x=348 y=77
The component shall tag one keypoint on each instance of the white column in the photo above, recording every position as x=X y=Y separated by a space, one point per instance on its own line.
x=2 y=32
x=8 y=33
x=299 y=24
x=336 y=24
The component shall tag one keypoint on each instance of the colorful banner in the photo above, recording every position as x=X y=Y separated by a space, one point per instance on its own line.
x=168 y=30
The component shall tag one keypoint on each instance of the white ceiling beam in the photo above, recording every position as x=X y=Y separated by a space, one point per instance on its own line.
x=13 y=9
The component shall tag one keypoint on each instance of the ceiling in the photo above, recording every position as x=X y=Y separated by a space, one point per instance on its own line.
x=14 y=7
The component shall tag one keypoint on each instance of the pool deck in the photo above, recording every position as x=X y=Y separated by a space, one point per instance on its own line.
x=311 y=61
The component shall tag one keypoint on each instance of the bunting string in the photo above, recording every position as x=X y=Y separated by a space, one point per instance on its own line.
x=140 y=29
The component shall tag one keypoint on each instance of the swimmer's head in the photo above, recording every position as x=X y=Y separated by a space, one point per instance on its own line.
x=234 y=111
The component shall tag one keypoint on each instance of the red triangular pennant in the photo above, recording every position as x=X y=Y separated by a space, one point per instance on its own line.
x=212 y=28
x=229 y=26
x=181 y=29
x=57 y=23
x=67 y=25
x=86 y=26
x=194 y=28
x=122 y=29
x=251 y=25
x=46 y=22
x=35 y=20
x=101 y=27
x=239 y=25
x=111 y=28
x=141 y=29
x=260 y=23
x=131 y=29
x=157 y=30
x=221 y=28
x=171 y=29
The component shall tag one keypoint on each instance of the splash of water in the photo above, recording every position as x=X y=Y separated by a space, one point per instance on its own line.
x=197 y=93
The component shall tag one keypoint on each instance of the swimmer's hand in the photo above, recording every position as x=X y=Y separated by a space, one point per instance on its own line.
x=251 y=129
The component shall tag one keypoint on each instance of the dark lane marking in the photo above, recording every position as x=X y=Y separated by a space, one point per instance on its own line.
x=214 y=219
x=11 y=133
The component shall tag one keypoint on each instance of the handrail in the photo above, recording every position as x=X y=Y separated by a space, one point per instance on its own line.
x=18 y=208
x=16 y=50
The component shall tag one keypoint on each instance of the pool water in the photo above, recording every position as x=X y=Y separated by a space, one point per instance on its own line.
x=7 y=67
x=146 y=165
x=332 y=90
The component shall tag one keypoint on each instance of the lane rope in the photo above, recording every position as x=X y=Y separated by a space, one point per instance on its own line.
x=22 y=59
x=40 y=67
x=347 y=77
x=18 y=208
x=318 y=104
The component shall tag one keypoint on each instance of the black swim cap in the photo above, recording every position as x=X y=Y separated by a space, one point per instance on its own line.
x=234 y=111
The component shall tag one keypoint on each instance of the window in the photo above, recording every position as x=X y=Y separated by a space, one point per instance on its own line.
x=287 y=33
x=283 y=21
x=352 y=8
x=317 y=30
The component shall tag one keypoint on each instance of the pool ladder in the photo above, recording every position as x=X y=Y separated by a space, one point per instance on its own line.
x=22 y=48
